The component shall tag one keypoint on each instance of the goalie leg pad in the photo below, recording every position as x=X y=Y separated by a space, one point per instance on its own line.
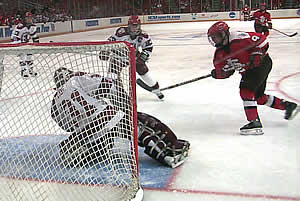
x=160 y=142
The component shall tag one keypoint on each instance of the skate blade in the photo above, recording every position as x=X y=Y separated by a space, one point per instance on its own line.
x=253 y=131
x=158 y=93
x=295 y=112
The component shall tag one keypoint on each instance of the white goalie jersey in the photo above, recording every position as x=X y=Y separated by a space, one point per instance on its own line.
x=82 y=100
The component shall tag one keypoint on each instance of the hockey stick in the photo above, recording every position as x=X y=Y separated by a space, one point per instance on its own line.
x=288 y=35
x=185 y=82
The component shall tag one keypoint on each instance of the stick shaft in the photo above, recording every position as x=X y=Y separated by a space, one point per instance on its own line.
x=185 y=82
x=289 y=35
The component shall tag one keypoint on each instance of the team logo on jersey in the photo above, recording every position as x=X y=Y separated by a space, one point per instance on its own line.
x=298 y=12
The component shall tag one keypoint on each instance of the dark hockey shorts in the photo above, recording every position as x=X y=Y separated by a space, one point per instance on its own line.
x=256 y=79
x=260 y=28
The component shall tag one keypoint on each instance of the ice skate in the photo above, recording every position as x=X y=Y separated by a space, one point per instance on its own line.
x=254 y=127
x=154 y=89
x=158 y=93
x=32 y=73
x=291 y=110
x=25 y=73
x=179 y=155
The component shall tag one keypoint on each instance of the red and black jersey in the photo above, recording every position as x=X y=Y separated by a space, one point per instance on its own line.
x=262 y=17
x=246 y=10
x=241 y=46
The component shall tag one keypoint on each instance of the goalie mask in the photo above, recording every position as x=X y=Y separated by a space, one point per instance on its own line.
x=61 y=76
x=218 y=34
x=134 y=26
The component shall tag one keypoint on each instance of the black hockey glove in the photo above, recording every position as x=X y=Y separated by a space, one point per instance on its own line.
x=270 y=26
x=222 y=75
x=143 y=56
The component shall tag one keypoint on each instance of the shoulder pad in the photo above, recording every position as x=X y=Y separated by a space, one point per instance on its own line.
x=238 y=35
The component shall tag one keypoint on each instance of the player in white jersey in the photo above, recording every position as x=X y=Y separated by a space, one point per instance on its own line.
x=142 y=43
x=22 y=33
x=85 y=106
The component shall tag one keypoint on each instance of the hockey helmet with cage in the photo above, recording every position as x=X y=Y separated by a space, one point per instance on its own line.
x=218 y=34
x=263 y=6
x=61 y=76
x=134 y=25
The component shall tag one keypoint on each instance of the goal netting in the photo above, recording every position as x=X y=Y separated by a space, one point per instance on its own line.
x=39 y=160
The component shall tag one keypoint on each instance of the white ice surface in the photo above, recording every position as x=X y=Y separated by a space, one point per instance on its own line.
x=222 y=165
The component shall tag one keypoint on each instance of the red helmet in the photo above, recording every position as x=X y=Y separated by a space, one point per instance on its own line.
x=263 y=5
x=134 y=26
x=134 y=20
x=217 y=33
x=28 y=14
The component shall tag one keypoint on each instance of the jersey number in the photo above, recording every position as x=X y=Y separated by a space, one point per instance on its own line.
x=255 y=38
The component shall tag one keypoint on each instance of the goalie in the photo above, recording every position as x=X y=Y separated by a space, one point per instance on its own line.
x=85 y=106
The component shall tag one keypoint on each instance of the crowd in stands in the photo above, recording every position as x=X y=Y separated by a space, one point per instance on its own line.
x=47 y=14
x=60 y=10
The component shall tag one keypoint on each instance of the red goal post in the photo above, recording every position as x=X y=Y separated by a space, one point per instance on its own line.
x=31 y=166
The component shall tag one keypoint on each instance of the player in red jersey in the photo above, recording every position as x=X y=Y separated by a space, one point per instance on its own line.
x=246 y=12
x=246 y=52
x=262 y=19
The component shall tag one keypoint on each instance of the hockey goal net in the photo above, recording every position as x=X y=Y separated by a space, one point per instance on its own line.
x=31 y=162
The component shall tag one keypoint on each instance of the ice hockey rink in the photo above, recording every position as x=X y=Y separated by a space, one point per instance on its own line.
x=223 y=165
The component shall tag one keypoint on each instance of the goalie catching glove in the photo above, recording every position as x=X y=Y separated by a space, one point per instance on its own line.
x=160 y=142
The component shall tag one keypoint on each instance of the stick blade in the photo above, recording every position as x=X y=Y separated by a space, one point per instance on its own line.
x=294 y=34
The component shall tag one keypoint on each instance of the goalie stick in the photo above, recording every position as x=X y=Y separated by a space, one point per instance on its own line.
x=288 y=35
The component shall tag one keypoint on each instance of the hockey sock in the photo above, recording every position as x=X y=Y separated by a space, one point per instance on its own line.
x=148 y=80
x=250 y=104
x=271 y=101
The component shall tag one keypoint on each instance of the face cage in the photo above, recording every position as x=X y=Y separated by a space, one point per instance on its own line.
x=221 y=36
x=134 y=29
